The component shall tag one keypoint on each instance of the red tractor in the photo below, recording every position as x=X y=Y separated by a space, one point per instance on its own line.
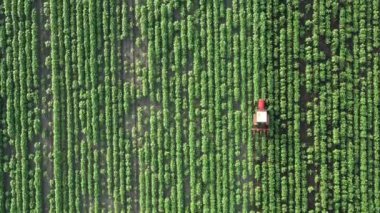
x=261 y=119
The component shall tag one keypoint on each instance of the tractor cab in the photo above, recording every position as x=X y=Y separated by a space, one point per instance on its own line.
x=261 y=119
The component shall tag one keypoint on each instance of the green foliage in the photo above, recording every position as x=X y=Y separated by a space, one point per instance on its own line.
x=125 y=106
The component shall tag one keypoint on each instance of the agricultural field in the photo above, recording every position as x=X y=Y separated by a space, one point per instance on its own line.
x=147 y=105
